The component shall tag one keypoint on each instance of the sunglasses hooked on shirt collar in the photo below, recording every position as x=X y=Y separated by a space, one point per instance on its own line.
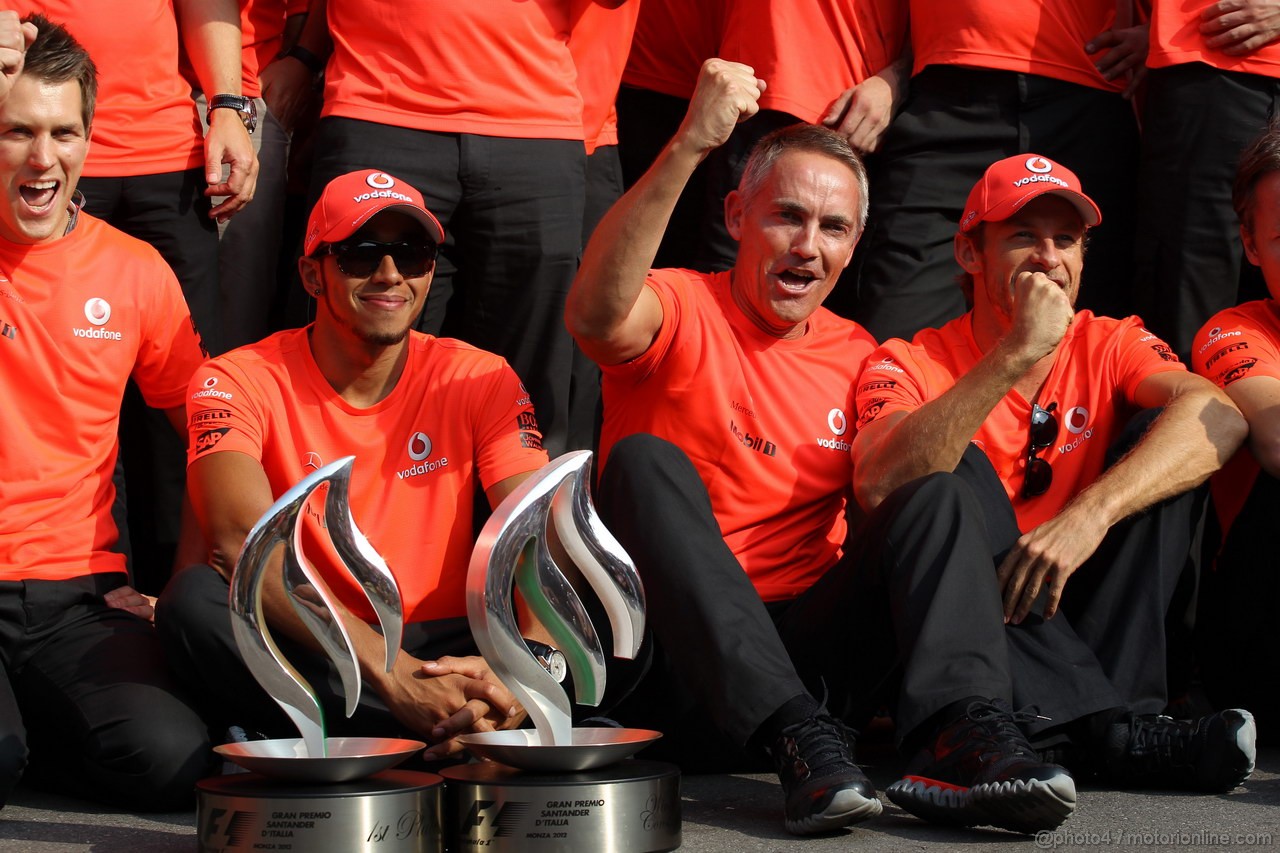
x=361 y=258
x=1044 y=431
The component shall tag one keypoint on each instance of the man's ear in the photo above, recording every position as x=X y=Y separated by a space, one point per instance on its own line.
x=1250 y=247
x=734 y=207
x=312 y=278
x=967 y=254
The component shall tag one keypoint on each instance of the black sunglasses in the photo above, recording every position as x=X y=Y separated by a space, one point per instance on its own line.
x=1044 y=431
x=361 y=259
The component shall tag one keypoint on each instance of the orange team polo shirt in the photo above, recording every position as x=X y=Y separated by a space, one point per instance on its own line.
x=1238 y=342
x=810 y=52
x=487 y=67
x=1176 y=39
x=458 y=421
x=261 y=34
x=672 y=40
x=1044 y=37
x=599 y=43
x=78 y=318
x=767 y=422
x=146 y=121
x=1098 y=368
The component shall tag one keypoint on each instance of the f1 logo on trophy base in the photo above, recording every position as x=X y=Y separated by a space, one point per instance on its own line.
x=556 y=787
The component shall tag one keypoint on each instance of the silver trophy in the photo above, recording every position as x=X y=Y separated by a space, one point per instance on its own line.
x=316 y=793
x=313 y=757
x=562 y=788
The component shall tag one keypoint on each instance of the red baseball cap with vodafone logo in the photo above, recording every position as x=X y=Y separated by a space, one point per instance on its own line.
x=351 y=200
x=1009 y=184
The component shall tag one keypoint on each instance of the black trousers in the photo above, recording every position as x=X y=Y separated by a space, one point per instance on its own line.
x=1237 y=645
x=909 y=617
x=86 y=696
x=955 y=123
x=1196 y=120
x=194 y=623
x=1106 y=647
x=512 y=211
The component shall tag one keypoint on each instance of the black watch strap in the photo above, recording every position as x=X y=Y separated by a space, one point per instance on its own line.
x=246 y=107
x=314 y=63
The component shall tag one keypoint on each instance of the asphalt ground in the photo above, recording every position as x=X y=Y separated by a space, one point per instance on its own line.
x=742 y=814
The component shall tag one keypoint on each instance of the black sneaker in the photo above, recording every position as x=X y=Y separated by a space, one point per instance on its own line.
x=981 y=770
x=824 y=789
x=1214 y=753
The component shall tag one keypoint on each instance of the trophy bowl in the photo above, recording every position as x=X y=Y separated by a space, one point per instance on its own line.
x=591 y=748
x=348 y=758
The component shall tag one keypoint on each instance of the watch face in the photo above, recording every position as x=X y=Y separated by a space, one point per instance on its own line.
x=557 y=666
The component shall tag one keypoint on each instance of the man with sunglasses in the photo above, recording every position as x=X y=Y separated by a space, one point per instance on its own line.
x=432 y=422
x=1083 y=440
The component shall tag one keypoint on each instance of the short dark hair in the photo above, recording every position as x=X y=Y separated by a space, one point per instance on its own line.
x=1260 y=159
x=805 y=137
x=56 y=57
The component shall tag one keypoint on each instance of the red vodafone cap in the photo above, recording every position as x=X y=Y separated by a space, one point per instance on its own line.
x=1009 y=184
x=351 y=200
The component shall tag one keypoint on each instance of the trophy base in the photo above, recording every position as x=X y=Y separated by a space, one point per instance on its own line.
x=629 y=807
x=396 y=811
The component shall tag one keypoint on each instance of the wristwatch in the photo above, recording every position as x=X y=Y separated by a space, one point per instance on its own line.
x=246 y=107
x=552 y=659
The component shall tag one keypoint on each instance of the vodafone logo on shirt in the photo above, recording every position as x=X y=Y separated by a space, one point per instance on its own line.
x=97 y=311
x=211 y=390
x=418 y=448
x=838 y=423
x=1076 y=422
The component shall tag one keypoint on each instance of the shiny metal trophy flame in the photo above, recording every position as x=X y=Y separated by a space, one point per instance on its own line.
x=314 y=757
x=512 y=550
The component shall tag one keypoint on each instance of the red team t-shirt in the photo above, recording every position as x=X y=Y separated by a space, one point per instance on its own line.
x=672 y=40
x=1239 y=342
x=488 y=67
x=146 y=121
x=1176 y=39
x=767 y=422
x=457 y=421
x=1099 y=366
x=599 y=43
x=809 y=52
x=1044 y=37
x=78 y=317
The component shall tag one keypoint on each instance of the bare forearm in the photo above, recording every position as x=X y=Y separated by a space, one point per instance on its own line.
x=1194 y=436
x=622 y=249
x=211 y=36
x=934 y=437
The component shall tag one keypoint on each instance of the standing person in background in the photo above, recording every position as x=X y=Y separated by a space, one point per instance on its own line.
x=992 y=78
x=672 y=40
x=599 y=43
x=249 y=243
x=1213 y=82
